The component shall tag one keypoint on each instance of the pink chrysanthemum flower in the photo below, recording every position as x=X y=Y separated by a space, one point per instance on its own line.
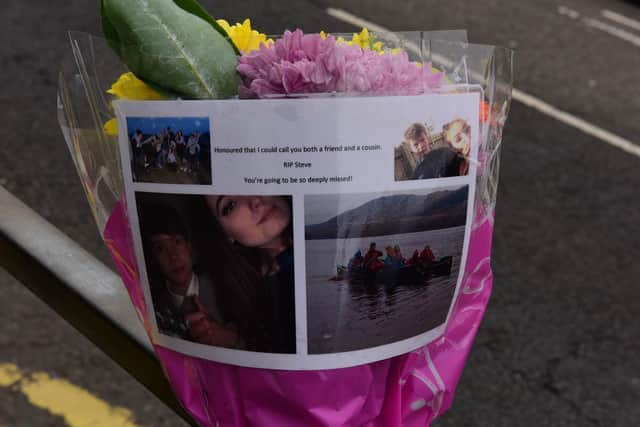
x=308 y=63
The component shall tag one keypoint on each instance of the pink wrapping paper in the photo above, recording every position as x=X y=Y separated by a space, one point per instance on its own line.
x=409 y=390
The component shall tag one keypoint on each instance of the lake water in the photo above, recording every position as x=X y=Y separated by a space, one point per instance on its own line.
x=346 y=317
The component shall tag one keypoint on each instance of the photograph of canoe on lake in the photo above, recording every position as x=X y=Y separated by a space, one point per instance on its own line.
x=381 y=267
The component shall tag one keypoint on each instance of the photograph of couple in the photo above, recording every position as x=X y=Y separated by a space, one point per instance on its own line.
x=425 y=154
x=221 y=268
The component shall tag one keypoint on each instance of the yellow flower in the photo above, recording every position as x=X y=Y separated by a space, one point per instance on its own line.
x=243 y=36
x=130 y=87
x=365 y=40
x=111 y=127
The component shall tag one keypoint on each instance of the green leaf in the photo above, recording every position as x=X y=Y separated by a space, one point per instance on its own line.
x=193 y=7
x=168 y=46
x=161 y=90
x=108 y=30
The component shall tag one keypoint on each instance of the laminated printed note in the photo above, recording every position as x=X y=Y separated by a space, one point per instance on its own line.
x=303 y=234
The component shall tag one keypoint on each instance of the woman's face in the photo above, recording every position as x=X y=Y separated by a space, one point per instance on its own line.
x=252 y=221
x=458 y=135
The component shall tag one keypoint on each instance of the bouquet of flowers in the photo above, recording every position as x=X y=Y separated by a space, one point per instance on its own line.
x=246 y=186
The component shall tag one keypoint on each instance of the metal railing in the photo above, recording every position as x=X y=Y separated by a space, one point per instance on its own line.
x=82 y=290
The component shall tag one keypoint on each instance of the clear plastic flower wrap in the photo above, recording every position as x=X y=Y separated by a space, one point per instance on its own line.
x=348 y=359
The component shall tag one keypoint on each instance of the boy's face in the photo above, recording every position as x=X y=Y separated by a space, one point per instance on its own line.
x=172 y=253
x=420 y=145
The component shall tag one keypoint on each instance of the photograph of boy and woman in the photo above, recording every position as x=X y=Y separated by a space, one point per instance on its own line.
x=424 y=154
x=220 y=268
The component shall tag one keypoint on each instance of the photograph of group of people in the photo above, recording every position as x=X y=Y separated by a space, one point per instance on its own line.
x=365 y=267
x=170 y=150
x=425 y=154
x=220 y=268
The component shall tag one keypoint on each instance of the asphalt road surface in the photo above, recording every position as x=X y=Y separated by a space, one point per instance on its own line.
x=560 y=340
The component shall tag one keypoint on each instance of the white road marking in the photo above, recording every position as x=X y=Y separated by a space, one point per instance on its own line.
x=355 y=20
x=612 y=30
x=576 y=122
x=607 y=28
x=573 y=14
x=621 y=19
x=526 y=99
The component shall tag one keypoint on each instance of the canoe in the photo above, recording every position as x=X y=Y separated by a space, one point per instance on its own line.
x=408 y=275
